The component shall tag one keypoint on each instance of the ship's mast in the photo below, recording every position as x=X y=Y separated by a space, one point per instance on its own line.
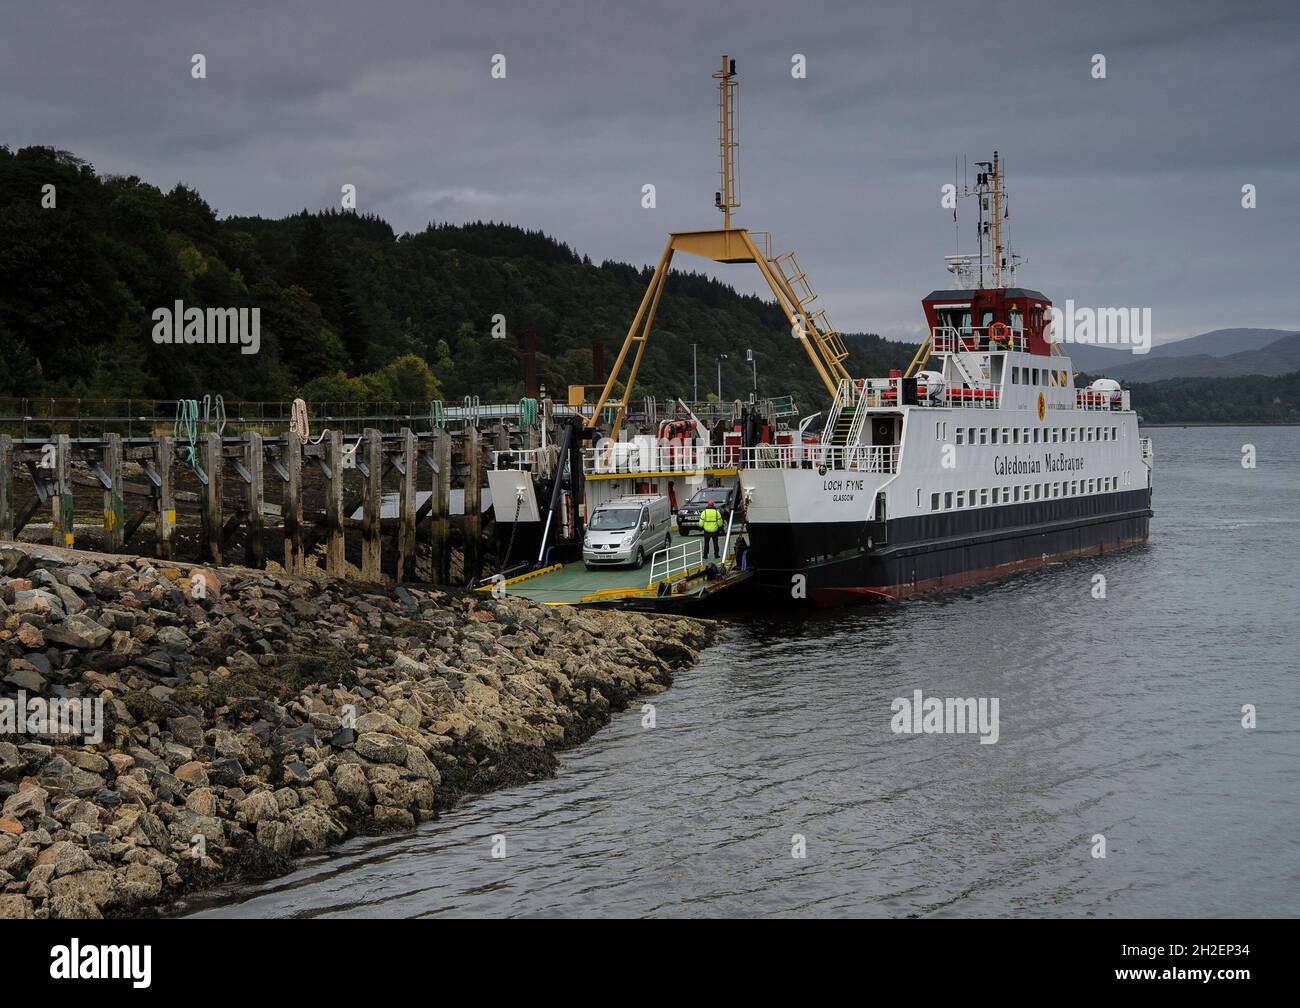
x=990 y=193
x=996 y=184
x=727 y=198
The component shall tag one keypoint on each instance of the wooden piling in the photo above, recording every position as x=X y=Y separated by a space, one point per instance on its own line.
x=439 y=508
x=61 y=502
x=372 y=540
x=295 y=561
x=6 y=488
x=254 y=541
x=213 y=528
x=114 y=501
x=473 y=510
x=406 y=510
x=335 y=557
x=166 y=499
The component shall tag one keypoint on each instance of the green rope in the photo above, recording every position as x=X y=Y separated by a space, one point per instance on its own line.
x=186 y=428
x=527 y=412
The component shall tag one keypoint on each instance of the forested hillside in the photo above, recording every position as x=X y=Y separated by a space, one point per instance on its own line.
x=352 y=311
x=349 y=310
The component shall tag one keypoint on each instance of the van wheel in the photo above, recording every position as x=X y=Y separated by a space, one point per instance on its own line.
x=640 y=557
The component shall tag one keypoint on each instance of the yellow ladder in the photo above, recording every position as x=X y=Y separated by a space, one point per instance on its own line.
x=827 y=340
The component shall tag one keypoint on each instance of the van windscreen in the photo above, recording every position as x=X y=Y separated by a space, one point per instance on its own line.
x=614 y=519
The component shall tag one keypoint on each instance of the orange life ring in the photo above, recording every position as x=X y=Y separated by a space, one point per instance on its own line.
x=999 y=331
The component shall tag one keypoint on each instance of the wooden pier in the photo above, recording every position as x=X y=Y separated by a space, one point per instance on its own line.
x=279 y=495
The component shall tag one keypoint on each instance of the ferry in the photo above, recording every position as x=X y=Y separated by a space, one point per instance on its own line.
x=981 y=458
x=986 y=461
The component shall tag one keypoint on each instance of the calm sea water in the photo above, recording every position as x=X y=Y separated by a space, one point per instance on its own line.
x=1119 y=717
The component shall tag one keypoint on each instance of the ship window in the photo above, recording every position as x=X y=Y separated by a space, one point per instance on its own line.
x=995 y=495
x=1074 y=486
x=961 y=498
x=1006 y=495
x=947 y=500
x=970 y=435
x=1015 y=494
x=1015 y=435
x=961 y=434
x=1006 y=435
x=934 y=502
x=984 y=497
x=984 y=435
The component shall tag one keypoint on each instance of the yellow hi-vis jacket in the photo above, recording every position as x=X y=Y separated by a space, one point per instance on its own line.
x=711 y=520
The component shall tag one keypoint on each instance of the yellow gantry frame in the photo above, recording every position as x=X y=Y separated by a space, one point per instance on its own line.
x=724 y=245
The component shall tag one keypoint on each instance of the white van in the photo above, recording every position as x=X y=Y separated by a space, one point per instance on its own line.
x=627 y=530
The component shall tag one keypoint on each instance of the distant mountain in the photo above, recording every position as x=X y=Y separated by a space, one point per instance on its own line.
x=1169 y=360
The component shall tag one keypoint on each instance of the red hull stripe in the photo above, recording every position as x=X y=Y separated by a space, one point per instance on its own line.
x=896 y=593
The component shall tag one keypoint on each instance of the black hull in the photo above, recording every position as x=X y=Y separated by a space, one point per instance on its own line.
x=847 y=562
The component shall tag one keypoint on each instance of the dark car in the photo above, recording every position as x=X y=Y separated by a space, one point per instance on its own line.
x=688 y=515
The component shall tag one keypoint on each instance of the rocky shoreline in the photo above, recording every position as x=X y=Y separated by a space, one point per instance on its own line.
x=249 y=717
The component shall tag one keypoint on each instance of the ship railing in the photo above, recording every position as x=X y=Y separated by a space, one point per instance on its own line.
x=521 y=458
x=974 y=339
x=1086 y=399
x=970 y=396
x=642 y=456
x=863 y=458
x=674 y=561
x=1148 y=453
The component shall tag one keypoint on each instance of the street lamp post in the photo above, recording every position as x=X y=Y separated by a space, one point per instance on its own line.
x=721 y=358
x=753 y=360
x=695 y=373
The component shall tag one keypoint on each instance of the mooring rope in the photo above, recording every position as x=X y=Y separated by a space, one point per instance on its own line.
x=186 y=428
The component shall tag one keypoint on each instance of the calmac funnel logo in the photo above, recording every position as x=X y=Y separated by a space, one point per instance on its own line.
x=1042 y=408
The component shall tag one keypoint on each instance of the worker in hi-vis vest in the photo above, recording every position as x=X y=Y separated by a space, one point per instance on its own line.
x=711 y=526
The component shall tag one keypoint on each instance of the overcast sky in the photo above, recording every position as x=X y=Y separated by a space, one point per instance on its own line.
x=1124 y=191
